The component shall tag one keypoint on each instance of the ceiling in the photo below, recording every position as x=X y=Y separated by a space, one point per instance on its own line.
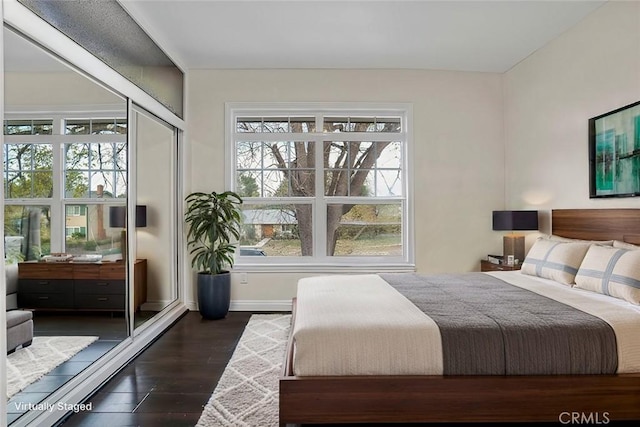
x=490 y=36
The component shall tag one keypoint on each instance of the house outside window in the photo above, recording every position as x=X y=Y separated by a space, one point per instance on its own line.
x=323 y=185
x=61 y=175
x=75 y=210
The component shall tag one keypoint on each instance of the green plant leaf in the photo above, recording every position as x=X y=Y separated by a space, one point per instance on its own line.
x=214 y=221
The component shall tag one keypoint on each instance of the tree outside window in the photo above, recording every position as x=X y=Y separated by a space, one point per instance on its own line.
x=91 y=176
x=336 y=193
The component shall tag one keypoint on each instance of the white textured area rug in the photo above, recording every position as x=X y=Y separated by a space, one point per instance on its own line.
x=247 y=393
x=29 y=364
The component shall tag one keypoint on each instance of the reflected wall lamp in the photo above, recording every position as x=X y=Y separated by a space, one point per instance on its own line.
x=513 y=244
x=118 y=219
x=118 y=216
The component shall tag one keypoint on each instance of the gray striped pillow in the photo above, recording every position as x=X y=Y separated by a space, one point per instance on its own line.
x=611 y=271
x=555 y=260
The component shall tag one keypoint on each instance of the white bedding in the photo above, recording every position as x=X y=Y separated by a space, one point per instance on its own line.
x=340 y=321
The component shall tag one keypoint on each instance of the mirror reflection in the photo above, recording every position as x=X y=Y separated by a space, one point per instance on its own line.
x=155 y=248
x=65 y=167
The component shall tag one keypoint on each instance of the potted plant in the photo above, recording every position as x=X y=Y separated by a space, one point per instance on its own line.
x=214 y=228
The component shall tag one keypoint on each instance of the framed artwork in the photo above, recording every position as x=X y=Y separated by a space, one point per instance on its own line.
x=614 y=153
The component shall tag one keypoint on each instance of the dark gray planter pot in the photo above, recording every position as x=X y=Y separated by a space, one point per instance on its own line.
x=214 y=295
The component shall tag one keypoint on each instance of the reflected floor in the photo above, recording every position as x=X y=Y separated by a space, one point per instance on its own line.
x=142 y=316
x=109 y=327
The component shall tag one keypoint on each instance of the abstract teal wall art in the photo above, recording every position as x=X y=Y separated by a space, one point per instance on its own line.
x=614 y=153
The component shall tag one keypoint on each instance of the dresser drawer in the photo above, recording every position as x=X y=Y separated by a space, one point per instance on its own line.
x=99 y=301
x=44 y=300
x=45 y=270
x=112 y=271
x=110 y=287
x=49 y=286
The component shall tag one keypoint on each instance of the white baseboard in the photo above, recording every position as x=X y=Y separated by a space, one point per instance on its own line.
x=260 y=305
x=252 y=305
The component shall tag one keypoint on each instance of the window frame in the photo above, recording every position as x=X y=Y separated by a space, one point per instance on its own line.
x=58 y=139
x=320 y=261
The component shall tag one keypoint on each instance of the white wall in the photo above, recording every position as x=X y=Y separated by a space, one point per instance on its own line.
x=458 y=152
x=549 y=97
x=55 y=90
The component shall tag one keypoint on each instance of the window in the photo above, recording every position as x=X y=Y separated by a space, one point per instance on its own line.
x=95 y=126
x=95 y=170
x=60 y=177
x=70 y=231
x=75 y=210
x=28 y=127
x=28 y=170
x=321 y=185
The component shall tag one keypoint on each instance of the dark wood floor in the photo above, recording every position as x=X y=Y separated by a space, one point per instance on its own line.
x=171 y=381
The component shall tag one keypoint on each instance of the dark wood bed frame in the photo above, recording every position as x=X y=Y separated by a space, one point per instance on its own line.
x=411 y=399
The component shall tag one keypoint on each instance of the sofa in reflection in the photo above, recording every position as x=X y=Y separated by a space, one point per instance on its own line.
x=19 y=322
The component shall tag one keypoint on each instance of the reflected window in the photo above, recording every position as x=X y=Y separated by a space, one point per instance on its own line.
x=28 y=127
x=27 y=230
x=87 y=230
x=63 y=185
x=95 y=126
x=96 y=170
x=28 y=171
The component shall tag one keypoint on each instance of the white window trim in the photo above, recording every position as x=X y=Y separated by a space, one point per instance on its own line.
x=321 y=263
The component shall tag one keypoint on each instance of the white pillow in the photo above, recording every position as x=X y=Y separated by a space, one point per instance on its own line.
x=555 y=260
x=611 y=271
x=624 y=245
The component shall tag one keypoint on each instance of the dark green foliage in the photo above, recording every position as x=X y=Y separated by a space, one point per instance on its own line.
x=213 y=219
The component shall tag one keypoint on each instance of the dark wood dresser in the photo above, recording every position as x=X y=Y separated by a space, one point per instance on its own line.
x=79 y=286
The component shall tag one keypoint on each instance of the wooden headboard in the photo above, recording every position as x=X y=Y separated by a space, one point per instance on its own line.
x=597 y=224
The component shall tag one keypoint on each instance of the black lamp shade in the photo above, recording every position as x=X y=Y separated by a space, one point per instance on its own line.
x=118 y=216
x=515 y=220
x=141 y=216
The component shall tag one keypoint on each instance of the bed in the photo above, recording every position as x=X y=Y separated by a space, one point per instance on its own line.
x=435 y=397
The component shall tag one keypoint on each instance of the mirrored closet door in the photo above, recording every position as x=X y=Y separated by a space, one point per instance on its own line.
x=65 y=170
x=155 y=143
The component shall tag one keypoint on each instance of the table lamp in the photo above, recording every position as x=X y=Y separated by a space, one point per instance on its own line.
x=513 y=244
x=118 y=219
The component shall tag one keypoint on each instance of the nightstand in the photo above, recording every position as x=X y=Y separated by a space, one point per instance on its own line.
x=489 y=266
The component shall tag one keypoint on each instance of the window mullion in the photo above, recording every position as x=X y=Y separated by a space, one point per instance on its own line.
x=319 y=205
x=57 y=206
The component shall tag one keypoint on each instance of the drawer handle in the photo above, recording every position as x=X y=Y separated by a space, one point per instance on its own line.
x=102 y=284
x=43 y=297
x=43 y=282
x=103 y=299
